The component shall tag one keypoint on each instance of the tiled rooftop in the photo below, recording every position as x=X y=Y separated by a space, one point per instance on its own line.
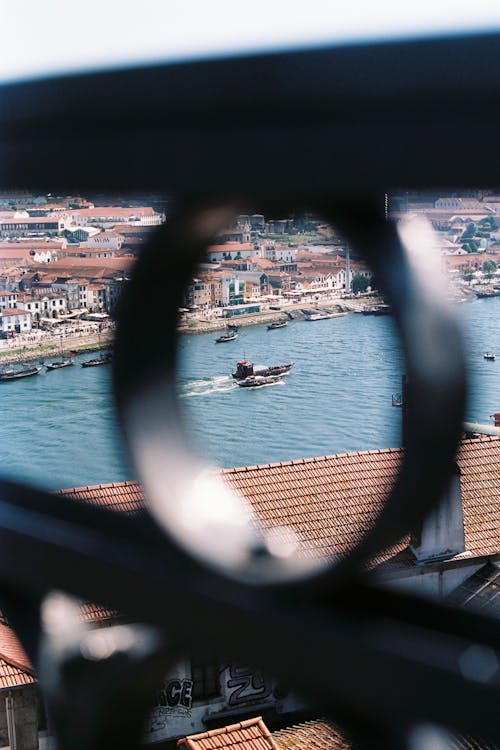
x=15 y=667
x=11 y=650
x=126 y=497
x=330 y=501
x=11 y=677
x=251 y=734
x=318 y=734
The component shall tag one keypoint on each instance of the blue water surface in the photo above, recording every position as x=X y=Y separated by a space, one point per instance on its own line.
x=59 y=428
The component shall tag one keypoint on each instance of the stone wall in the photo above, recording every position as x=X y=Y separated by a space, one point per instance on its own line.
x=26 y=715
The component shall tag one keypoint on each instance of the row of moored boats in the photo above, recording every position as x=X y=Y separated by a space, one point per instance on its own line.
x=17 y=372
x=232 y=331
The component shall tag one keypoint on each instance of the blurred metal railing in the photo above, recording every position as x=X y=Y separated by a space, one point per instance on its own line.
x=340 y=127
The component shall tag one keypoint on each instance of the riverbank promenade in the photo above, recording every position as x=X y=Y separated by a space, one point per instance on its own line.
x=36 y=345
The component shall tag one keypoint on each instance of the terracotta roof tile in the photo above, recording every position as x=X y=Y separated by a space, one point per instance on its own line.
x=251 y=734
x=11 y=676
x=318 y=734
x=321 y=734
x=112 y=211
x=11 y=650
x=329 y=501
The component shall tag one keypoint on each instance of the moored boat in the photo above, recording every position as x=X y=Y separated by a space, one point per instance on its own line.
x=245 y=369
x=104 y=360
x=277 y=324
x=258 y=381
x=226 y=337
x=59 y=364
x=323 y=315
x=16 y=374
x=63 y=362
x=381 y=309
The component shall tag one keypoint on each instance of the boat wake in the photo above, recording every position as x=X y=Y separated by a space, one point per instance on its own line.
x=207 y=386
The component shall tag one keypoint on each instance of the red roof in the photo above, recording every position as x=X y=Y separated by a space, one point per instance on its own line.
x=113 y=211
x=15 y=667
x=11 y=650
x=318 y=734
x=251 y=734
x=122 y=496
x=232 y=247
x=11 y=677
x=12 y=311
x=31 y=220
x=15 y=253
x=94 y=263
x=330 y=501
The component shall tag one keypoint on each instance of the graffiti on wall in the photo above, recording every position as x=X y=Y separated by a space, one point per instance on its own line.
x=174 y=698
x=247 y=684
x=176 y=694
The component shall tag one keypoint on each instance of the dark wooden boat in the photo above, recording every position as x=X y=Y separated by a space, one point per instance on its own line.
x=244 y=369
x=277 y=324
x=63 y=362
x=58 y=365
x=17 y=374
x=381 y=309
x=104 y=360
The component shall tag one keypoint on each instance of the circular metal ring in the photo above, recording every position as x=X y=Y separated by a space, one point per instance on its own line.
x=202 y=518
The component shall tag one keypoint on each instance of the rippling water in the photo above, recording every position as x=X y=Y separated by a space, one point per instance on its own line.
x=58 y=429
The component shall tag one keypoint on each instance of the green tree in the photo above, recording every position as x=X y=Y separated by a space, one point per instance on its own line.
x=469 y=231
x=489 y=267
x=470 y=246
x=468 y=274
x=359 y=283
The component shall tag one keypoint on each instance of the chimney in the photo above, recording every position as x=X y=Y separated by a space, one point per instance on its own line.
x=440 y=534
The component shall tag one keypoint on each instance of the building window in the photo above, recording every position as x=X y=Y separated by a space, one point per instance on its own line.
x=206 y=683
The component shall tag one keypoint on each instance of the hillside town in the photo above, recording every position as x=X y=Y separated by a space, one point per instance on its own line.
x=64 y=261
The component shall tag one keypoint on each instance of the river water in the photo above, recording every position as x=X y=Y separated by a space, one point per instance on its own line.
x=59 y=429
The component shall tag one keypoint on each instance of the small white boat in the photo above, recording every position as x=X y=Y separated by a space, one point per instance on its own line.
x=312 y=316
x=489 y=355
x=226 y=337
x=258 y=381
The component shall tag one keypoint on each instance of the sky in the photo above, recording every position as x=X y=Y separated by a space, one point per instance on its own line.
x=54 y=36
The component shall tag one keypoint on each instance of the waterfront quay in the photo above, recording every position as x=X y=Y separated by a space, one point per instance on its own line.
x=203 y=323
x=36 y=345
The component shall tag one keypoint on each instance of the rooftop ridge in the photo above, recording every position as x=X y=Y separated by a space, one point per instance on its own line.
x=311 y=459
x=251 y=741
x=102 y=486
x=280 y=464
